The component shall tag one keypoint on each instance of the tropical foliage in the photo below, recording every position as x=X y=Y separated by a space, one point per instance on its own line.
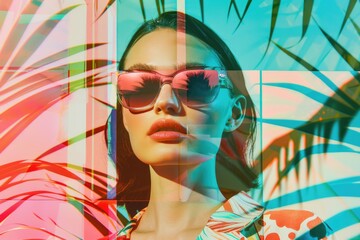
x=55 y=96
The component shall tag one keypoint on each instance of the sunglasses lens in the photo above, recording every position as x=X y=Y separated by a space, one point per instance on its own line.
x=138 y=90
x=197 y=87
x=194 y=87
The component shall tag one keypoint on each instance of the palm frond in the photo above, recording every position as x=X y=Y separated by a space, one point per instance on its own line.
x=158 y=6
x=201 y=2
x=142 y=6
x=308 y=6
x=274 y=17
x=337 y=106
x=34 y=79
x=234 y=5
x=244 y=13
x=321 y=76
x=15 y=29
x=109 y=3
x=25 y=111
x=345 y=187
x=19 y=54
x=357 y=28
x=72 y=140
x=344 y=219
x=349 y=10
x=350 y=59
x=320 y=125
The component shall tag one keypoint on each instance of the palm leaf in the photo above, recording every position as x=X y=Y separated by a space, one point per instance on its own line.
x=244 y=13
x=80 y=204
x=234 y=5
x=65 y=54
x=307 y=132
x=317 y=96
x=350 y=59
x=327 y=81
x=163 y=5
x=62 y=169
x=142 y=9
x=158 y=6
x=345 y=187
x=349 y=9
x=202 y=9
x=357 y=28
x=109 y=3
x=34 y=82
x=72 y=140
x=47 y=233
x=27 y=110
x=274 y=16
x=16 y=32
x=28 y=95
x=20 y=55
x=27 y=119
x=308 y=6
x=345 y=219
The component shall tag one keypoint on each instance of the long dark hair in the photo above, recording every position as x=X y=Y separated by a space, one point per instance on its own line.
x=133 y=186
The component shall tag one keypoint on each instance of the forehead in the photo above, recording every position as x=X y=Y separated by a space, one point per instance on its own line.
x=168 y=49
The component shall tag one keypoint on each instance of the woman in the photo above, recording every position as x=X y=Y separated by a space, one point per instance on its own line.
x=185 y=125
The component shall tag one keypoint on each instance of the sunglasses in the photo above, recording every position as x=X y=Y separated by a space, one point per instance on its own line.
x=138 y=90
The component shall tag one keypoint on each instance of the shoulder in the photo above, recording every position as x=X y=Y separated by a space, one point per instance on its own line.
x=291 y=224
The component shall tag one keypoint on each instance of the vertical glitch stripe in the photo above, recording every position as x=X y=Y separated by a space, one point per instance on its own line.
x=261 y=178
x=180 y=5
x=181 y=39
x=76 y=114
x=111 y=90
x=91 y=10
x=181 y=52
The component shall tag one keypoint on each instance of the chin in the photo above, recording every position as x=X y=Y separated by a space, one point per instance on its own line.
x=177 y=154
x=171 y=157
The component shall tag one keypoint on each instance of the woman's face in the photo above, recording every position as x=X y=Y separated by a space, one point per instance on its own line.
x=172 y=133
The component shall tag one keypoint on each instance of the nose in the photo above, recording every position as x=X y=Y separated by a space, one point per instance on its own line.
x=167 y=101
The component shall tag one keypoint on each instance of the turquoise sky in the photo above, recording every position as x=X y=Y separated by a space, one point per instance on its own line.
x=249 y=41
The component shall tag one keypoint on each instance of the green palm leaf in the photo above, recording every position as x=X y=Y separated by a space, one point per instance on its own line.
x=142 y=6
x=349 y=10
x=308 y=6
x=347 y=100
x=350 y=59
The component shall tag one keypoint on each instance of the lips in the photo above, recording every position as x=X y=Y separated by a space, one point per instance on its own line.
x=167 y=130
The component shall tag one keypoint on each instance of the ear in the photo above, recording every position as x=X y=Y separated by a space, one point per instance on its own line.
x=237 y=113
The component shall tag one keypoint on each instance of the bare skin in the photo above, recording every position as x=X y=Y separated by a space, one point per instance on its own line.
x=184 y=190
x=176 y=211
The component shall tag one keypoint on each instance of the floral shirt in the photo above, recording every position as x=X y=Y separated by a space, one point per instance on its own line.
x=242 y=218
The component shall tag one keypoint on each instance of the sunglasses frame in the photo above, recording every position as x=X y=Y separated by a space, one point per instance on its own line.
x=224 y=82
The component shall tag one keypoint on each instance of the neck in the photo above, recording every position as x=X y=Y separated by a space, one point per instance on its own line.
x=182 y=196
x=185 y=183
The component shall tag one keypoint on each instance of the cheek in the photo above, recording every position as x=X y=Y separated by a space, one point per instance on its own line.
x=210 y=125
x=211 y=120
x=207 y=127
x=135 y=126
x=128 y=120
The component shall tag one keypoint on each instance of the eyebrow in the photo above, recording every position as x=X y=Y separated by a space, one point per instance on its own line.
x=142 y=67
x=149 y=67
x=191 y=65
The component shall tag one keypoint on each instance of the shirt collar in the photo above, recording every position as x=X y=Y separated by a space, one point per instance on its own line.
x=235 y=214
